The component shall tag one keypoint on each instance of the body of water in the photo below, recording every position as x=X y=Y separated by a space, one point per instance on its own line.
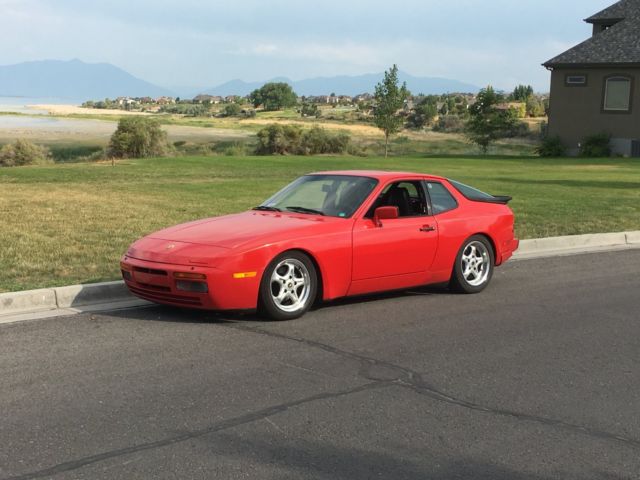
x=19 y=104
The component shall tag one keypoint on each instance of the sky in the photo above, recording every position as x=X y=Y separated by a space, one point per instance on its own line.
x=189 y=43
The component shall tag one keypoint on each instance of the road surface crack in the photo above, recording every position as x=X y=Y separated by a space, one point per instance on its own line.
x=371 y=368
x=262 y=414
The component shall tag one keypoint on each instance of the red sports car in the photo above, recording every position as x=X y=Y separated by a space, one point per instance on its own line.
x=324 y=236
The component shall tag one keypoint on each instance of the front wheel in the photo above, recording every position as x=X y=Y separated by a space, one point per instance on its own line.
x=473 y=269
x=288 y=287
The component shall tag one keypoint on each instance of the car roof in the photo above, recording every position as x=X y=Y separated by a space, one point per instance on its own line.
x=378 y=174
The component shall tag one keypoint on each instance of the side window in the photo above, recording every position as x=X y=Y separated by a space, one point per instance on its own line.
x=408 y=196
x=617 y=94
x=441 y=200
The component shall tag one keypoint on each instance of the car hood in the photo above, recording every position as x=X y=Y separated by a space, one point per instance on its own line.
x=231 y=231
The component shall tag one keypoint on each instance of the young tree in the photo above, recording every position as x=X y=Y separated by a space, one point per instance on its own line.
x=389 y=98
x=487 y=123
x=274 y=96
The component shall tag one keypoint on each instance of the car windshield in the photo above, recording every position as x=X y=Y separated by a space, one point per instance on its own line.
x=330 y=195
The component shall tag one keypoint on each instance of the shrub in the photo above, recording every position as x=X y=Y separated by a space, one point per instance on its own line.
x=23 y=152
x=280 y=139
x=597 y=145
x=289 y=139
x=188 y=110
x=551 y=147
x=309 y=110
x=231 y=110
x=318 y=140
x=449 y=124
x=238 y=149
x=517 y=129
x=74 y=153
x=138 y=137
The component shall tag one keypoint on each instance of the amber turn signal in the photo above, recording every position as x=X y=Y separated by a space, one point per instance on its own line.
x=124 y=266
x=245 y=274
x=190 y=275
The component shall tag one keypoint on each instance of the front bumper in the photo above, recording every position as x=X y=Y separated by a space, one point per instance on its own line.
x=156 y=282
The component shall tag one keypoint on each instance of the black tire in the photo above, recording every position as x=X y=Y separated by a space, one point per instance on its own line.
x=291 y=275
x=475 y=252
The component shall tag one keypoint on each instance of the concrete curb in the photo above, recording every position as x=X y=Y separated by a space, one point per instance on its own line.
x=51 y=302
x=576 y=244
x=73 y=298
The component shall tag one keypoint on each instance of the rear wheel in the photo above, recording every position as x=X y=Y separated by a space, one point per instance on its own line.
x=288 y=287
x=474 y=264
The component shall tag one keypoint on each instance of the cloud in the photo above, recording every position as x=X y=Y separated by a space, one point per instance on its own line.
x=203 y=43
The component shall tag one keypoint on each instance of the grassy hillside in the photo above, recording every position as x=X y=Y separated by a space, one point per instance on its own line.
x=70 y=223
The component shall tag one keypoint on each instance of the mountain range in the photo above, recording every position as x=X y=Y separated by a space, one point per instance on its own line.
x=78 y=81
x=349 y=85
x=74 y=80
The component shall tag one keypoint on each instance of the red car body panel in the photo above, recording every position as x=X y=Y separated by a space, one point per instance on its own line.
x=353 y=256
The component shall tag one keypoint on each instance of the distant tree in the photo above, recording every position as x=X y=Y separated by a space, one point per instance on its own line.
x=535 y=107
x=23 y=152
x=274 y=96
x=309 y=110
x=389 y=98
x=231 y=110
x=138 y=137
x=487 y=122
x=522 y=93
x=424 y=113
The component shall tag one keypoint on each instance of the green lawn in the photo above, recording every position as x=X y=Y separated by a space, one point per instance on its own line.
x=69 y=223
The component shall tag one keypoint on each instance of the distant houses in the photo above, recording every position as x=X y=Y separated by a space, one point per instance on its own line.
x=207 y=105
x=202 y=98
x=594 y=84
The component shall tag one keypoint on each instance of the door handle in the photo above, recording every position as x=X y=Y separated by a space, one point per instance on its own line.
x=428 y=228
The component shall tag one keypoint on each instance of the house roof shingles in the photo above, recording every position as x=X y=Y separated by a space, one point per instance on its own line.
x=617 y=11
x=619 y=44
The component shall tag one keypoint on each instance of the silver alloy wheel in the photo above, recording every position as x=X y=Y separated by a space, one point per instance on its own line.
x=476 y=263
x=290 y=285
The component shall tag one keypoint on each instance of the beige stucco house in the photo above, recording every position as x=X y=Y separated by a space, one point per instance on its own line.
x=594 y=85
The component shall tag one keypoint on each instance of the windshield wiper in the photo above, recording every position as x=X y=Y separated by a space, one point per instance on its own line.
x=305 y=210
x=264 y=208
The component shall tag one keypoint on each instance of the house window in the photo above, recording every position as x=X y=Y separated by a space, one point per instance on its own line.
x=617 y=94
x=576 y=80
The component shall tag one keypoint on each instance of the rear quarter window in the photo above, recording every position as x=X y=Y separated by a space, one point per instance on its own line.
x=441 y=200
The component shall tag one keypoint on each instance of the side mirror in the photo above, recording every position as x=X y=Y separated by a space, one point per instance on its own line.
x=384 y=213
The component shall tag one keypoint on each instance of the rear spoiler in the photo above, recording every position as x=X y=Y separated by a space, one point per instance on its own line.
x=503 y=199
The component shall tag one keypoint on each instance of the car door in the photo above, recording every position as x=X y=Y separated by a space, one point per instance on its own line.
x=404 y=246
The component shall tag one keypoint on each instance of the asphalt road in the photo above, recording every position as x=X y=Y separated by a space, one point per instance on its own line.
x=538 y=377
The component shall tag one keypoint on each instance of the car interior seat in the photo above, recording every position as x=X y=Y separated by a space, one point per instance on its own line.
x=399 y=197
